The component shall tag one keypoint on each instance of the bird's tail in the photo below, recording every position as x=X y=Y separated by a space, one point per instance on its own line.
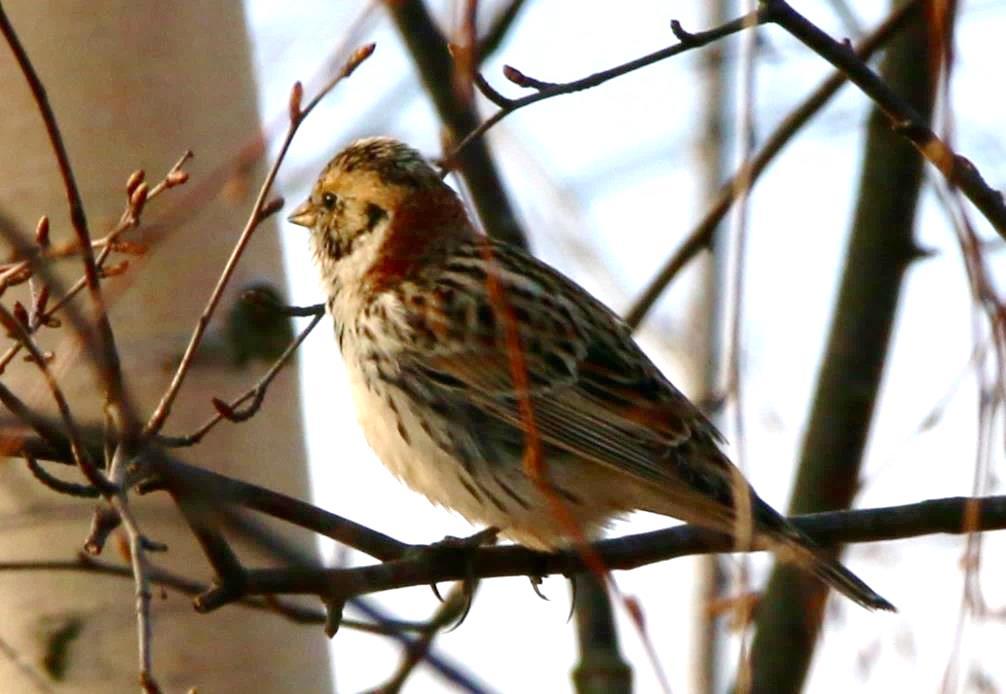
x=833 y=573
x=710 y=500
x=789 y=544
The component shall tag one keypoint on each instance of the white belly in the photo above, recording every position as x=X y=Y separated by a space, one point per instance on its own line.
x=407 y=451
x=477 y=493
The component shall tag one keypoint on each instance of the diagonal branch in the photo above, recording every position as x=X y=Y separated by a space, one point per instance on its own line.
x=81 y=458
x=548 y=90
x=903 y=117
x=701 y=236
x=254 y=396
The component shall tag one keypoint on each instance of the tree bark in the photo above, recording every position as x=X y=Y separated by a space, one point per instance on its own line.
x=133 y=85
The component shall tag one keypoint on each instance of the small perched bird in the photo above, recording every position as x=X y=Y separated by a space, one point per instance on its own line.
x=415 y=293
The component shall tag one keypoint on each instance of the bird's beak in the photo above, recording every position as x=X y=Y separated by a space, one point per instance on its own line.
x=304 y=215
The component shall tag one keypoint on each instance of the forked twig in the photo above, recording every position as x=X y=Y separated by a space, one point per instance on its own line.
x=255 y=394
x=130 y=219
x=83 y=461
x=906 y=121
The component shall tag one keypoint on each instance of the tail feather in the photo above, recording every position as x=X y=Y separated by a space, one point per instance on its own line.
x=790 y=544
x=844 y=581
x=710 y=500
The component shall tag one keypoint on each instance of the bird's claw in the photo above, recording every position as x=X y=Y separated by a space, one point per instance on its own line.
x=450 y=545
x=536 y=582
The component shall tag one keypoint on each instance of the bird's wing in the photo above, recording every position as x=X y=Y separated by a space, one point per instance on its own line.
x=592 y=391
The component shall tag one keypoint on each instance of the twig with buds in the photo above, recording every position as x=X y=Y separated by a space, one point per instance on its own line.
x=547 y=90
x=102 y=342
x=19 y=332
x=111 y=242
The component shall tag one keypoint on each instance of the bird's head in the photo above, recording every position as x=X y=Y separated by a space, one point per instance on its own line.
x=375 y=212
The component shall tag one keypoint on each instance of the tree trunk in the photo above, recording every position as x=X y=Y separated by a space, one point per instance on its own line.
x=133 y=85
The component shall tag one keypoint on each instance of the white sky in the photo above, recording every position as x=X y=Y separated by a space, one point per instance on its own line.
x=609 y=176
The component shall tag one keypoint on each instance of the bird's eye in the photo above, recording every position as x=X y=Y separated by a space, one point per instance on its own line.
x=329 y=200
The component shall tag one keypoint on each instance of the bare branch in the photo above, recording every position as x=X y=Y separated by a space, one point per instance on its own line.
x=94 y=476
x=547 y=90
x=57 y=485
x=951 y=515
x=220 y=489
x=498 y=29
x=32 y=257
x=138 y=559
x=428 y=48
x=255 y=394
x=907 y=122
x=701 y=236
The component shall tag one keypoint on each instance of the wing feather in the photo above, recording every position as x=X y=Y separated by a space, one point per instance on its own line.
x=594 y=394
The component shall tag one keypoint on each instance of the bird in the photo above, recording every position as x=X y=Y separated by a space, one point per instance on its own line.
x=428 y=314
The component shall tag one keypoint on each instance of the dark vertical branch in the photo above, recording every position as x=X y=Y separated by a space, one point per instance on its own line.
x=601 y=667
x=880 y=249
x=429 y=50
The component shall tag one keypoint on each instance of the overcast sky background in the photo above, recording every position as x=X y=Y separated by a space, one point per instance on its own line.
x=607 y=184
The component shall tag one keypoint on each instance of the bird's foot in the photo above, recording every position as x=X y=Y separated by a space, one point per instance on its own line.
x=448 y=549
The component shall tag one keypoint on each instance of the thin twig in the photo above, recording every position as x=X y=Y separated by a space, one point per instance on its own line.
x=429 y=50
x=42 y=426
x=498 y=29
x=91 y=473
x=141 y=579
x=220 y=489
x=27 y=668
x=57 y=485
x=448 y=613
x=545 y=90
x=224 y=491
x=129 y=219
x=737 y=247
x=297 y=116
x=186 y=586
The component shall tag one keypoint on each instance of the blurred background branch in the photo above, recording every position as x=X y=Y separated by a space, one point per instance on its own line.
x=881 y=246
